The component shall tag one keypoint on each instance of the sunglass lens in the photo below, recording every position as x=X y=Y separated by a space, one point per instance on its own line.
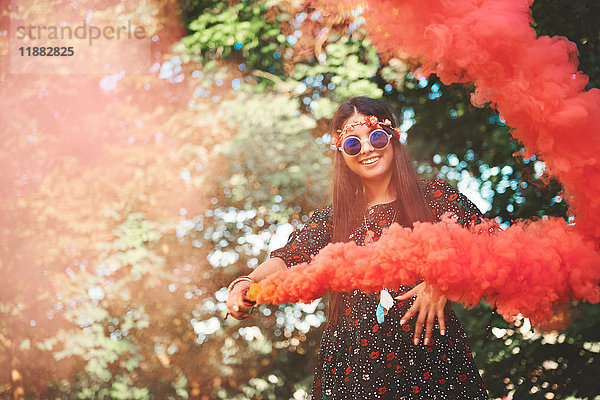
x=379 y=139
x=351 y=146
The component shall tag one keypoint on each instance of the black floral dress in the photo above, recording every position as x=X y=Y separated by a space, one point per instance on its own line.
x=360 y=359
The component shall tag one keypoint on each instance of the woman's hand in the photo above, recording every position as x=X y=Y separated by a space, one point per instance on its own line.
x=235 y=306
x=429 y=303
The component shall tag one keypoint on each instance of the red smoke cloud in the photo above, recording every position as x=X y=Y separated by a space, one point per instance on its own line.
x=529 y=268
x=534 y=84
x=532 y=81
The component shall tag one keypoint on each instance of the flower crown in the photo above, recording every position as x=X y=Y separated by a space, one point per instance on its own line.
x=370 y=121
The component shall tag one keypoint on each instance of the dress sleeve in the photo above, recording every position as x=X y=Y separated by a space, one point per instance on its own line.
x=442 y=198
x=307 y=241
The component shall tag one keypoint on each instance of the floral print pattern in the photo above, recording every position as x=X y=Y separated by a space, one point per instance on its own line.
x=360 y=359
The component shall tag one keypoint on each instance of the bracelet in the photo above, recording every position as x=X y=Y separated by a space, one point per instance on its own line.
x=238 y=280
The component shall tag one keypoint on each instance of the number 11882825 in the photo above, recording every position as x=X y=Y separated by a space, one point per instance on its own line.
x=46 y=51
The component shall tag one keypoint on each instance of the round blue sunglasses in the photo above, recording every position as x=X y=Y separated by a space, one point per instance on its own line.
x=378 y=138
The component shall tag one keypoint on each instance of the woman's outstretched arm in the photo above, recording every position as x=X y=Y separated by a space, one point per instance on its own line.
x=302 y=244
x=235 y=306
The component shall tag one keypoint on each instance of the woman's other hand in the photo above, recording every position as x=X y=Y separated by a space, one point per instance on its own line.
x=429 y=303
x=235 y=305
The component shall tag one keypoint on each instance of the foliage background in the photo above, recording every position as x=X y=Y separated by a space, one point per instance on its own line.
x=126 y=212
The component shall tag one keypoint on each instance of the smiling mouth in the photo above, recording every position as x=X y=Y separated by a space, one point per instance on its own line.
x=370 y=161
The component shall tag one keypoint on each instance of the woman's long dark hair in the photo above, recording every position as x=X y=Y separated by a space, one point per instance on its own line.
x=349 y=199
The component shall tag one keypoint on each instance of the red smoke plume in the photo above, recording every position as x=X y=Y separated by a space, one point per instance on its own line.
x=529 y=268
x=534 y=84
x=532 y=81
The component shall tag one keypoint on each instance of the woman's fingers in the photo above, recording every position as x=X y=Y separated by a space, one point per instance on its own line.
x=442 y=321
x=407 y=295
x=241 y=316
x=239 y=313
x=419 y=326
x=413 y=309
x=429 y=328
x=409 y=314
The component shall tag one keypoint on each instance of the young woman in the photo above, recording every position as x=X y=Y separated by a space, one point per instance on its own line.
x=374 y=186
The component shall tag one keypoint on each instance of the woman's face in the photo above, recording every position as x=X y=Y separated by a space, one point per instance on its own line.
x=370 y=164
